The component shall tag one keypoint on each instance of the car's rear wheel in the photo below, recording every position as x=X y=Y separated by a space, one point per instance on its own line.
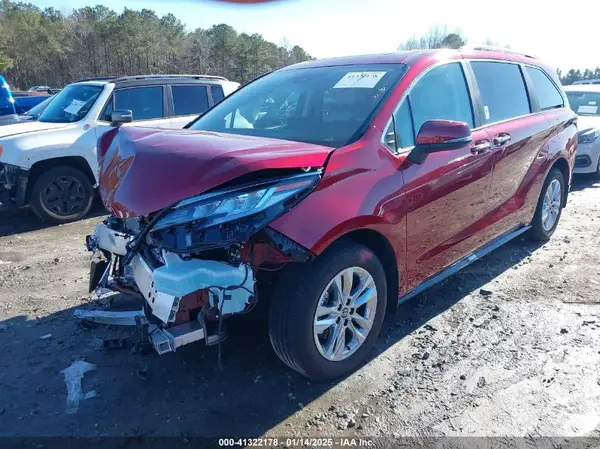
x=62 y=194
x=325 y=316
x=549 y=207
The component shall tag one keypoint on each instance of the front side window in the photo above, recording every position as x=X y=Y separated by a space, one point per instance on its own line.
x=145 y=103
x=502 y=90
x=585 y=103
x=217 y=93
x=546 y=92
x=405 y=135
x=189 y=100
x=441 y=94
x=107 y=112
x=324 y=105
x=71 y=104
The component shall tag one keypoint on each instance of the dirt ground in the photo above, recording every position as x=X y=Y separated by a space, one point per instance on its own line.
x=508 y=347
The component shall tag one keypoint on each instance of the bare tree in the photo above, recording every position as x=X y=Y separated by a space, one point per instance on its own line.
x=437 y=36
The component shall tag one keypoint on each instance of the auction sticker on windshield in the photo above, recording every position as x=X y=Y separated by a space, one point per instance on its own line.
x=587 y=109
x=359 y=79
x=74 y=107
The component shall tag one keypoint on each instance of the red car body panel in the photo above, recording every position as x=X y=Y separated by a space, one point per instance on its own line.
x=436 y=213
x=432 y=214
x=143 y=170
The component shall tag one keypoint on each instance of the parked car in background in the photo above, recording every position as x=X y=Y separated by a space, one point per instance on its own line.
x=51 y=163
x=38 y=89
x=330 y=191
x=593 y=81
x=24 y=101
x=31 y=114
x=584 y=100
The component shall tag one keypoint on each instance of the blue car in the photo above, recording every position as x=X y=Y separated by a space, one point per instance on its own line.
x=7 y=102
x=12 y=104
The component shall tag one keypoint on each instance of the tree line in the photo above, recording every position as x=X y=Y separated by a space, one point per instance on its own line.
x=47 y=47
x=577 y=75
x=440 y=37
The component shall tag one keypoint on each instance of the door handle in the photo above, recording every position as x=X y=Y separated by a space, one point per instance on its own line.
x=501 y=139
x=480 y=147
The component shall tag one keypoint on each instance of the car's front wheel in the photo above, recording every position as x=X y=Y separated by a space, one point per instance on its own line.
x=325 y=316
x=62 y=194
x=549 y=207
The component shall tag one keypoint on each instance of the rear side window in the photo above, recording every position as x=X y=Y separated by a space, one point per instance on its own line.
x=502 y=90
x=441 y=94
x=217 y=93
x=145 y=103
x=189 y=100
x=547 y=94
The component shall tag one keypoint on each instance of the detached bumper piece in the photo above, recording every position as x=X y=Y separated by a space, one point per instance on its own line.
x=167 y=340
x=163 y=340
x=177 y=293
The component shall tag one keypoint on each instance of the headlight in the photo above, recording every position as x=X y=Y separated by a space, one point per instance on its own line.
x=216 y=219
x=588 y=135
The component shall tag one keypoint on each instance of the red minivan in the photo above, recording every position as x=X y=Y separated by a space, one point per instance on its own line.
x=324 y=194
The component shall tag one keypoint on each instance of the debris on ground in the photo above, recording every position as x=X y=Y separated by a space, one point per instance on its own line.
x=537 y=379
x=73 y=378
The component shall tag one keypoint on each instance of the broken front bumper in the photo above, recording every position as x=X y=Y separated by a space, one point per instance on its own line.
x=165 y=286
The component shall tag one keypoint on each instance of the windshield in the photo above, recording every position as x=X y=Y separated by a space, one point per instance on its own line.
x=322 y=105
x=38 y=108
x=585 y=103
x=71 y=104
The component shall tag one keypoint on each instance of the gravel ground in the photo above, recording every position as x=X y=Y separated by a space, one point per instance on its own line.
x=508 y=347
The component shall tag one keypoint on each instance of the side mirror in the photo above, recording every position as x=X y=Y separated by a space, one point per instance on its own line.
x=120 y=116
x=439 y=135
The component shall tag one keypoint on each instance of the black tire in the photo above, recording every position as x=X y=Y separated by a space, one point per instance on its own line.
x=597 y=174
x=293 y=306
x=538 y=233
x=76 y=185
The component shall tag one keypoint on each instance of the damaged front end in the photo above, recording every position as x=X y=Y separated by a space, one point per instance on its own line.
x=201 y=259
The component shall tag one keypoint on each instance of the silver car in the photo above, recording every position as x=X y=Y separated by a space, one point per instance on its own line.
x=585 y=102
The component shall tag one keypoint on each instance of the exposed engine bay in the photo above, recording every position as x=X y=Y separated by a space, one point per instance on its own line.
x=200 y=260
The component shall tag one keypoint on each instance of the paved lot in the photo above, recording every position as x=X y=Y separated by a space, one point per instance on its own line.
x=522 y=358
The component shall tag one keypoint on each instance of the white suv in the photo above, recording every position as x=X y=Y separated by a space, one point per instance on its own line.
x=51 y=163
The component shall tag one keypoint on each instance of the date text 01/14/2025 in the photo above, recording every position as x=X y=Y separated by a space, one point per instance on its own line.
x=296 y=442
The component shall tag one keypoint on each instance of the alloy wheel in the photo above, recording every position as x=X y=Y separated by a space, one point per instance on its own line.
x=551 y=205
x=345 y=314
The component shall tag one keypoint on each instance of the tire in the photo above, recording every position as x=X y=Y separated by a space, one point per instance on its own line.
x=597 y=174
x=540 y=232
x=294 y=304
x=78 y=195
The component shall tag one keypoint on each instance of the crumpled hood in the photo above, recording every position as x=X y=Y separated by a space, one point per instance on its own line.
x=23 y=127
x=143 y=170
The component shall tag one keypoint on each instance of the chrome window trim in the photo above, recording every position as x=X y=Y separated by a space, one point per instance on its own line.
x=412 y=85
x=463 y=62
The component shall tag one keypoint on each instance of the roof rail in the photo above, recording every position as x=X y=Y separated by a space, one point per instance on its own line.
x=98 y=78
x=174 y=76
x=497 y=49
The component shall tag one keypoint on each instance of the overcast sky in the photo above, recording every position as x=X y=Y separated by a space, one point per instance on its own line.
x=325 y=28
